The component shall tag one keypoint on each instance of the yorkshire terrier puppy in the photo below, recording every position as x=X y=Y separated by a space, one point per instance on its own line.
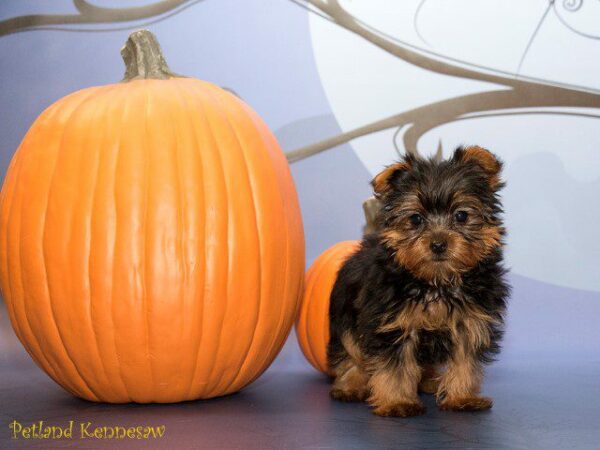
x=425 y=290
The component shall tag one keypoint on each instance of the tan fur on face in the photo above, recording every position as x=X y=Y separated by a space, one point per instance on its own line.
x=415 y=253
x=491 y=238
x=467 y=244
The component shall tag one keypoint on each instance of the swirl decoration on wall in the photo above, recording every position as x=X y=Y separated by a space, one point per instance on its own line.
x=523 y=92
x=91 y=14
x=565 y=12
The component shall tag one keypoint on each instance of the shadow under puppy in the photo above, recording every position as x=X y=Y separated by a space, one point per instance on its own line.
x=425 y=290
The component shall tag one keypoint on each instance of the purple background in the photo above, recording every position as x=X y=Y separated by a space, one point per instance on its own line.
x=262 y=51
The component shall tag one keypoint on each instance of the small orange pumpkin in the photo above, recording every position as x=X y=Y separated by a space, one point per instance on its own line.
x=312 y=323
x=151 y=244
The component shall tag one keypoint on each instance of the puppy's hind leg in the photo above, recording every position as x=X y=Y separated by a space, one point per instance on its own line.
x=350 y=384
x=351 y=381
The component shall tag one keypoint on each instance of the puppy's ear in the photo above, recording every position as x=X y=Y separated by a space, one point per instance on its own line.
x=383 y=182
x=485 y=159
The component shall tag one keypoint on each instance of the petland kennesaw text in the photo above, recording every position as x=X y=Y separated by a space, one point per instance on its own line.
x=83 y=430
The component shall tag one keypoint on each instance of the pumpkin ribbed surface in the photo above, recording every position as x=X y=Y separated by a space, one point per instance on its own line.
x=151 y=244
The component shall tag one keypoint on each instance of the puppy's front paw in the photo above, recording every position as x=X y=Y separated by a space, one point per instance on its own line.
x=348 y=395
x=404 y=409
x=466 y=404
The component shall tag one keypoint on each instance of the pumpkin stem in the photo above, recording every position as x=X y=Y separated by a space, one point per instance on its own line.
x=370 y=207
x=143 y=58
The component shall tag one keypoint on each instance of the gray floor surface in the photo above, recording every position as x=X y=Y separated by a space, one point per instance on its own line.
x=546 y=388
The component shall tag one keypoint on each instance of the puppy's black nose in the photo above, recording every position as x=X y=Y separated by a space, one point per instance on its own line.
x=438 y=247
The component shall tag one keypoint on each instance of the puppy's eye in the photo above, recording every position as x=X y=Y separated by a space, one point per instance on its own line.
x=416 y=219
x=461 y=216
x=388 y=208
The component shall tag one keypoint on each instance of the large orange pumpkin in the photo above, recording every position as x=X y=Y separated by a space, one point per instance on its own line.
x=312 y=323
x=151 y=244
